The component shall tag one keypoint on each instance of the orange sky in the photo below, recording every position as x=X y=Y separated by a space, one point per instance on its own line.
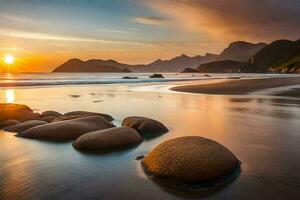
x=44 y=34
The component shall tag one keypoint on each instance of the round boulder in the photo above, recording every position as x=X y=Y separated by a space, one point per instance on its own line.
x=190 y=160
x=67 y=130
x=50 y=113
x=119 y=137
x=86 y=113
x=9 y=122
x=145 y=126
x=16 y=111
x=24 y=126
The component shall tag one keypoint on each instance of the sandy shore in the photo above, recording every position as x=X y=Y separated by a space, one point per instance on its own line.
x=263 y=132
x=238 y=87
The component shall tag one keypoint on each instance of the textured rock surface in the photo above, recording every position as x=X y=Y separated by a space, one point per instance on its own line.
x=67 y=130
x=112 y=138
x=190 y=160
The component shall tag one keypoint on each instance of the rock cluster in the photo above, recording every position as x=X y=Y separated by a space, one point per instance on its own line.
x=90 y=130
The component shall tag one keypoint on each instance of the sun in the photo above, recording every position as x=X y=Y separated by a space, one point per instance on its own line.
x=9 y=59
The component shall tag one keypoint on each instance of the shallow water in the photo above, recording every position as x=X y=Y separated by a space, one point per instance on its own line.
x=262 y=131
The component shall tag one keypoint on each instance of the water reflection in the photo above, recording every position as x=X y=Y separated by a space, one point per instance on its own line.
x=10 y=96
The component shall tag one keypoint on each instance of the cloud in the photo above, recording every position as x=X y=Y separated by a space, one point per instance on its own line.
x=67 y=38
x=150 y=20
x=231 y=19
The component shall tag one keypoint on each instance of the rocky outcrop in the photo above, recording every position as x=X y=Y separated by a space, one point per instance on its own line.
x=108 y=139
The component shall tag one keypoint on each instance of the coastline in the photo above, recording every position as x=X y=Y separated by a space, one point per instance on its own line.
x=238 y=87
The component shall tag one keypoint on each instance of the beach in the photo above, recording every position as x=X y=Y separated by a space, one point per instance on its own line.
x=239 y=87
x=262 y=130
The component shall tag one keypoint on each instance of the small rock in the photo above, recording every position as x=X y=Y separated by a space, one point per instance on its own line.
x=140 y=157
x=129 y=77
x=156 y=76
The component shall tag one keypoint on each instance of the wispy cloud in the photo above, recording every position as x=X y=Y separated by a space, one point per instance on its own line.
x=114 y=31
x=68 y=38
x=150 y=20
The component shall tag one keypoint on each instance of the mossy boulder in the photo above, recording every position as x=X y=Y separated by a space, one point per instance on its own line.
x=119 y=137
x=190 y=160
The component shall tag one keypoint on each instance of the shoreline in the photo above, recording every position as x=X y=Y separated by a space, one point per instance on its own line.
x=238 y=87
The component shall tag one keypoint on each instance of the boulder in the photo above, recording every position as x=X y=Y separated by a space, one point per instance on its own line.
x=16 y=111
x=108 y=139
x=48 y=119
x=189 y=70
x=50 y=113
x=67 y=130
x=68 y=117
x=145 y=126
x=9 y=122
x=190 y=160
x=86 y=113
x=156 y=76
x=24 y=126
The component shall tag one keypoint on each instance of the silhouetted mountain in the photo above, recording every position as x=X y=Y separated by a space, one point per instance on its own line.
x=226 y=66
x=280 y=56
x=95 y=65
x=240 y=51
x=176 y=64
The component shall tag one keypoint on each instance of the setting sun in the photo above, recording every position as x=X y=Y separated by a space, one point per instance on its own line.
x=9 y=59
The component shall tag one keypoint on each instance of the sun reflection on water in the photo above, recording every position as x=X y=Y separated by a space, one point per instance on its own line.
x=10 y=96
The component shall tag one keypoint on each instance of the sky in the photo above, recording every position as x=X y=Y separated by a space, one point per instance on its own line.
x=44 y=34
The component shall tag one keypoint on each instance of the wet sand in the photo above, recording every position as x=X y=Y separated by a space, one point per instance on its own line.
x=262 y=131
x=238 y=87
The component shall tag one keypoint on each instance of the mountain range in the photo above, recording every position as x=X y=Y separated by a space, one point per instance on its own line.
x=176 y=64
x=281 y=56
